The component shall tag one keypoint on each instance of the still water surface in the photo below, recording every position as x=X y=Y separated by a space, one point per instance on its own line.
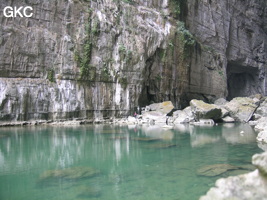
x=126 y=162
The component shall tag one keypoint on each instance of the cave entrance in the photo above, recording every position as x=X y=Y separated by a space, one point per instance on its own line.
x=242 y=81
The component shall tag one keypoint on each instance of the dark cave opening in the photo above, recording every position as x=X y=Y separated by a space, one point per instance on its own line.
x=242 y=81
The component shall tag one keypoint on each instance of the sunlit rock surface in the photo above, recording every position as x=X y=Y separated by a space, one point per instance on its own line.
x=202 y=110
x=242 y=108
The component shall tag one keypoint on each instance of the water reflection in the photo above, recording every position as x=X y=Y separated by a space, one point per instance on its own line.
x=231 y=133
x=158 y=132
x=238 y=134
x=131 y=160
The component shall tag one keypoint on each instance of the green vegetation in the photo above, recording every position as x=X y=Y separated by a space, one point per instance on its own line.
x=187 y=40
x=123 y=81
x=158 y=77
x=122 y=49
x=51 y=75
x=125 y=53
x=220 y=72
x=83 y=58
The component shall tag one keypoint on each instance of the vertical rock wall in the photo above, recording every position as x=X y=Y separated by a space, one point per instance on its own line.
x=104 y=58
x=234 y=31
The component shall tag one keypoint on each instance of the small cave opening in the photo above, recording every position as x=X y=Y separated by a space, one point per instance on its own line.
x=242 y=81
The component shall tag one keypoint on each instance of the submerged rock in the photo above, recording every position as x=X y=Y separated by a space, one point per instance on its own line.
x=250 y=186
x=215 y=170
x=89 y=192
x=202 y=110
x=146 y=139
x=69 y=173
x=161 y=146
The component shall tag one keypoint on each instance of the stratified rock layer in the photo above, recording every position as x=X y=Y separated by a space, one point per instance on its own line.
x=100 y=59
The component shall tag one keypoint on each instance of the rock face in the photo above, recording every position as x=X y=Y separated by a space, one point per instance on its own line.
x=231 y=30
x=99 y=59
x=246 y=187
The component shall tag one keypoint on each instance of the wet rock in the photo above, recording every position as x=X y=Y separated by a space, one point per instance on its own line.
x=262 y=136
x=241 y=108
x=202 y=110
x=260 y=161
x=69 y=173
x=215 y=170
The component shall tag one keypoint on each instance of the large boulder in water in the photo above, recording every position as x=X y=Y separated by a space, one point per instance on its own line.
x=202 y=110
x=242 y=108
x=248 y=186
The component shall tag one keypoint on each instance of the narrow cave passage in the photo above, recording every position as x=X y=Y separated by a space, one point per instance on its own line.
x=242 y=81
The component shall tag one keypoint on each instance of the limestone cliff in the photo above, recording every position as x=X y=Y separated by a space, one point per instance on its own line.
x=103 y=58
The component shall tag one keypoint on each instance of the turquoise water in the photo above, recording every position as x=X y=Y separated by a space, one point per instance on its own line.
x=127 y=162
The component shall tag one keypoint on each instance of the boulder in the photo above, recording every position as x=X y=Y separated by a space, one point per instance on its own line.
x=262 y=109
x=204 y=122
x=220 y=102
x=164 y=107
x=241 y=108
x=132 y=120
x=260 y=161
x=156 y=116
x=262 y=136
x=248 y=186
x=202 y=110
x=261 y=124
x=183 y=116
x=228 y=119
